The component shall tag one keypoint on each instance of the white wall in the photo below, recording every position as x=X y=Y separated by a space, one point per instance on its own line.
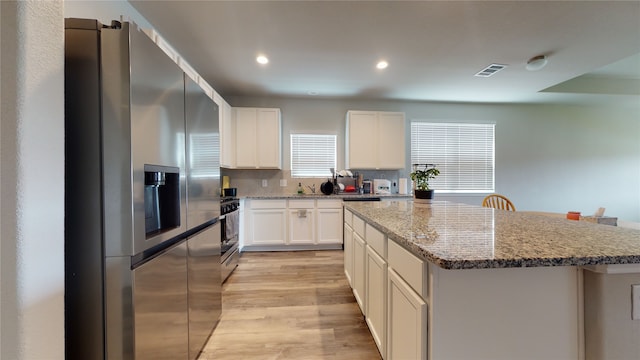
x=32 y=188
x=552 y=158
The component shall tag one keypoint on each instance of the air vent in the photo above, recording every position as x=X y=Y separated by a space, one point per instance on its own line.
x=490 y=70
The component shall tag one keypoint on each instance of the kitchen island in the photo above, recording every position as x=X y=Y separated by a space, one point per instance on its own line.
x=460 y=282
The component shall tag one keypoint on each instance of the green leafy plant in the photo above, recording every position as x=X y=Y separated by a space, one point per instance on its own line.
x=421 y=177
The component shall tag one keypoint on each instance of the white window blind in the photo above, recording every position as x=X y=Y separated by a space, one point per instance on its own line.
x=205 y=155
x=312 y=155
x=464 y=154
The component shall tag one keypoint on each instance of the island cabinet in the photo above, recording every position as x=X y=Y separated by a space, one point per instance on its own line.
x=375 y=140
x=348 y=246
x=258 y=138
x=416 y=309
x=293 y=224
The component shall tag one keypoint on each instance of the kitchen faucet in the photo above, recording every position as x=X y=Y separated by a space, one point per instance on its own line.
x=312 y=188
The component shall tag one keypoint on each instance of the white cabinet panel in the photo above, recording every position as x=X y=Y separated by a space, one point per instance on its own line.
x=359 y=280
x=406 y=321
x=348 y=253
x=258 y=138
x=227 y=136
x=329 y=229
x=376 y=299
x=375 y=140
x=268 y=227
x=301 y=226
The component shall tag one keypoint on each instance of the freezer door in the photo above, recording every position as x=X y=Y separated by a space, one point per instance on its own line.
x=203 y=155
x=161 y=306
x=205 y=289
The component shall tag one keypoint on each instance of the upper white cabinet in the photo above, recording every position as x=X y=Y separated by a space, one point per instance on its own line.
x=258 y=138
x=227 y=137
x=375 y=140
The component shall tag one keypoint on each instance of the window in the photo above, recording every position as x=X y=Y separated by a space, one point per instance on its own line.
x=312 y=155
x=464 y=154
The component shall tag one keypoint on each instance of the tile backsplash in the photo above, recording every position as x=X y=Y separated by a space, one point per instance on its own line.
x=250 y=182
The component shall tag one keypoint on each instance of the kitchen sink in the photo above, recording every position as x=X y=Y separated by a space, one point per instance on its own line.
x=361 y=198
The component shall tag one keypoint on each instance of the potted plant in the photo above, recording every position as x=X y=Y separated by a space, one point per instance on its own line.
x=421 y=177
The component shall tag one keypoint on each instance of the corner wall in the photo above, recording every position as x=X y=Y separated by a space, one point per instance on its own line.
x=32 y=175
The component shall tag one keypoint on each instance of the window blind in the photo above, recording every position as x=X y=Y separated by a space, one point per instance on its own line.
x=312 y=155
x=464 y=154
x=205 y=155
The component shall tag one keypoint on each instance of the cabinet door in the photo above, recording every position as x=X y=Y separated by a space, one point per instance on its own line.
x=268 y=139
x=376 y=299
x=348 y=253
x=359 y=280
x=362 y=129
x=391 y=143
x=406 y=319
x=227 y=137
x=329 y=229
x=301 y=227
x=246 y=137
x=268 y=227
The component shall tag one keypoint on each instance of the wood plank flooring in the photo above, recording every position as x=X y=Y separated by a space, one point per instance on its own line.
x=290 y=305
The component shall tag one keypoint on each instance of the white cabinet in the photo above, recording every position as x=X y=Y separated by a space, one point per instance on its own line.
x=295 y=224
x=359 y=275
x=375 y=140
x=329 y=222
x=267 y=223
x=227 y=136
x=258 y=138
x=406 y=321
x=301 y=222
x=376 y=298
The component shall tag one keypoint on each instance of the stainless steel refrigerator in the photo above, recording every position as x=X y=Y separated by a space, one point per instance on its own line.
x=142 y=186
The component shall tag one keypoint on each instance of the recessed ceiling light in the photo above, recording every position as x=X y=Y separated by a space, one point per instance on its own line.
x=261 y=59
x=382 y=64
x=312 y=93
x=536 y=63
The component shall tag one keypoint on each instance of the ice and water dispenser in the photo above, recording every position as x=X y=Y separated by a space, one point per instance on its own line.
x=161 y=199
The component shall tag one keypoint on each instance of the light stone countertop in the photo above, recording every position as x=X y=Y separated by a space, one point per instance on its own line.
x=460 y=236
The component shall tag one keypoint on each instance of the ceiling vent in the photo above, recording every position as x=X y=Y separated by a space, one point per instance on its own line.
x=490 y=70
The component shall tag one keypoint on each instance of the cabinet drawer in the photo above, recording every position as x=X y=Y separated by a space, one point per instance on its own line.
x=412 y=269
x=377 y=240
x=301 y=204
x=358 y=226
x=348 y=217
x=329 y=204
x=268 y=204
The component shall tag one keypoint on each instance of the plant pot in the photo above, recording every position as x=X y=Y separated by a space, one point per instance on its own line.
x=423 y=194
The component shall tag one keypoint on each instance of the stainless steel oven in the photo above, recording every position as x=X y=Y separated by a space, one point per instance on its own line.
x=230 y=221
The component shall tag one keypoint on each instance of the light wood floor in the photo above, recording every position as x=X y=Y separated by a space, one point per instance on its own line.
x=290 y=305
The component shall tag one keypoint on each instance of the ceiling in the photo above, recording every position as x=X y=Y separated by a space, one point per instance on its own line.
x=329 y=49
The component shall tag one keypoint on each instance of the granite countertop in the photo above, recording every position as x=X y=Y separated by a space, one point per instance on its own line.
x=322 y=196
x=460 y=236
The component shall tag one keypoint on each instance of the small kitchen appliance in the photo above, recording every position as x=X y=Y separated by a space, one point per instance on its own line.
x=382 y=186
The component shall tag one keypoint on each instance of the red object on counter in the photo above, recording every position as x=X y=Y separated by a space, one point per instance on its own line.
x=350 y=188
x=573 y=215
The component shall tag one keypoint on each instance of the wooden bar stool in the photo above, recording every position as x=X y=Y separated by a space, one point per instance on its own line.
x=498 y=201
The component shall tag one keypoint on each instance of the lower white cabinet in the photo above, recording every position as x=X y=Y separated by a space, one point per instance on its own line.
x=329 y=222
x=359 y=275
x=406 y=321
x=376 y=298
x=268 y=227
x=294 y=224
